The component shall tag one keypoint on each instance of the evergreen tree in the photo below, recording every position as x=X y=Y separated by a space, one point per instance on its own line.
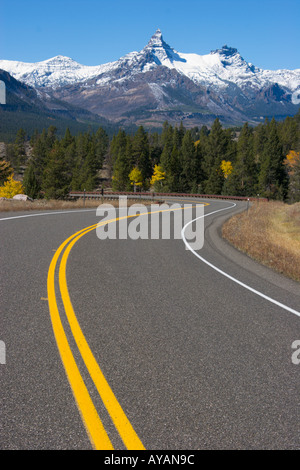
x=122 y=167
x=155 y=148
x=188 y=162
x=85 y=156
x=174 y=174
x=51 y=136
x=68 y=139
x=6 y=170
x=273 y=176
x=168 y=156
x=118 y=143
x=79 y=175
x=101 y=145
x=141 y=153
x=57 y=176
x=18 y=155
x=259 y=142
x=40 y=154
x=30 y=183
x=243 y=180
x=216 y=150
x=200 y=145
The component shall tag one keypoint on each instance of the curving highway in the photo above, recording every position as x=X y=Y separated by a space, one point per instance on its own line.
x=142 y=344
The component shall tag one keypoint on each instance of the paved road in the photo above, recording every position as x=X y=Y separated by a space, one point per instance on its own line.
x=194 y=360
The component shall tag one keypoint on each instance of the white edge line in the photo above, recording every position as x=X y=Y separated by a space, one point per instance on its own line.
x=47 y=213
x=279 y=304
x=188 y=247
x=37 y=214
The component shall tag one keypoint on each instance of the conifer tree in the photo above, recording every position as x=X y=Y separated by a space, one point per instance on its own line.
x=199 y=156
x=273 y=176
x=6 y=170
x=188 y=162
x=118 y=142
x=40 y=154
x=57 y=176
x=174 y=177
x=243 y=179
x=122 y=166
x=168 y=155
x=30 y=183
x=51 y=136
x=141 y=154
x=155 y=148
x=216 y=150
x=19 y=152
x=68 y=139
x=101 y=145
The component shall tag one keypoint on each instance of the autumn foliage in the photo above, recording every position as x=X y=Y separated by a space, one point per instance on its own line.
x=11 y=187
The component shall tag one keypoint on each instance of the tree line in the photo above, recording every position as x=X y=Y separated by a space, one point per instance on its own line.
x=57 y=166
x=248 y=161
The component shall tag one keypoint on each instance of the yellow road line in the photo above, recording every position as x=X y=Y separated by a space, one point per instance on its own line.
x=124 y=427
x=91 y=420
x=90 y=417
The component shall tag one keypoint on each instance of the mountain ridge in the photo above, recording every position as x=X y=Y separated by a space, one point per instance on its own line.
x=24 y=108
x=229 y=86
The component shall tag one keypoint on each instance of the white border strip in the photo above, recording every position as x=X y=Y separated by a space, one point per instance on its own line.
x=48 y=213
x=285 y=307
x=279 y=304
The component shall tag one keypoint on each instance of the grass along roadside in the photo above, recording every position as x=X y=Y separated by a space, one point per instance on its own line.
x=12 y=205
x=268 y=232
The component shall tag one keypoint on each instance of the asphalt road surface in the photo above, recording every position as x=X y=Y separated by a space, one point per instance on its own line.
x=162 y=350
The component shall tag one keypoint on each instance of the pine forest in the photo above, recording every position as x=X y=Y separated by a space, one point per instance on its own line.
x=247 y=161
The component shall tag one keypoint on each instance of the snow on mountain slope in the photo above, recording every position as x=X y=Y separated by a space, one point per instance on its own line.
x=220 y=67
x=53 y=72
x=215 y=69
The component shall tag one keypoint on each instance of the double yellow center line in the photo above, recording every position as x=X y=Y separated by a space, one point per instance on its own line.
x=95 y=429
x=93 y=424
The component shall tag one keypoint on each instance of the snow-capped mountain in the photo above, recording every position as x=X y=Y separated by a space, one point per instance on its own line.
x=158 y=82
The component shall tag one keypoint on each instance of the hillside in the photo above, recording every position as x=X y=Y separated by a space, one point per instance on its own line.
x=25 y=109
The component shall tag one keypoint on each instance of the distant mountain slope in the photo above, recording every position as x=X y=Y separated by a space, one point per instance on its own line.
x=160 y=83
x=26 y=107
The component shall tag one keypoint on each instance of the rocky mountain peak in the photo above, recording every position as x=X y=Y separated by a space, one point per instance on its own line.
x=228 y=51
x=160 y=50
x=160 y=78
x=157 y=40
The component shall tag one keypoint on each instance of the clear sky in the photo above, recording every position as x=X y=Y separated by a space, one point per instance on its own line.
x=93 y=32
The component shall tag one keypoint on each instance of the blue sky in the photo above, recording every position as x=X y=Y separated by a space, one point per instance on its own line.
x=93 y=32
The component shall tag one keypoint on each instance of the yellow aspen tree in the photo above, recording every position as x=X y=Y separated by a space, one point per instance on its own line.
x=291 y=160
x=136 y=177
x=11 y=187
x=226 y=168
x=158 y=175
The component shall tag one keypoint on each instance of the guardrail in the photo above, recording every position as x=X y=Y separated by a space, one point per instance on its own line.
x=138 y=195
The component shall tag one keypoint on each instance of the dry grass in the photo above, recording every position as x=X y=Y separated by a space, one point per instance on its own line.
x=12 y=205
x=270 y=233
